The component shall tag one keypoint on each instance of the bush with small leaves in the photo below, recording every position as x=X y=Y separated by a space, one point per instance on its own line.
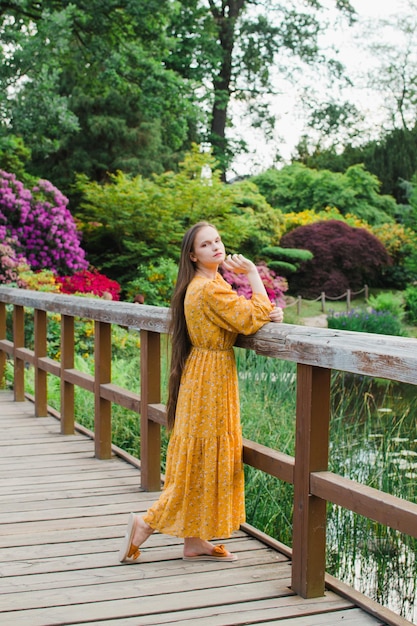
x=410 y=298
x=90 y=282
x=11 y=263
x=388 y=301
x=343 y=258
x=155 y=281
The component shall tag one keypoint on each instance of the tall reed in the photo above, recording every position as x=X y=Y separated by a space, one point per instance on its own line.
x=267 y=393
x=373 y=440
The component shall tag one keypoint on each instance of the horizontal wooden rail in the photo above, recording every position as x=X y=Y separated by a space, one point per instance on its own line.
x=269 y=461
x=316 y=351
x=6 y=346
x=49 y=365
x=377 y=505
x=381 y=356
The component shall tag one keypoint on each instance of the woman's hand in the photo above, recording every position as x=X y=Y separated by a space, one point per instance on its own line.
x=239 y=264
x=277 y=314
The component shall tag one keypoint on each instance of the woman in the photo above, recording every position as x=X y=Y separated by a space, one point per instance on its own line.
x=203 y=496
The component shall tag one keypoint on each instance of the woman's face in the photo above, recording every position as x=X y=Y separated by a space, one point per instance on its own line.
x=208 y=249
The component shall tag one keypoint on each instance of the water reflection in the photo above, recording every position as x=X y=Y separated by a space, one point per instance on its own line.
x=374 y=441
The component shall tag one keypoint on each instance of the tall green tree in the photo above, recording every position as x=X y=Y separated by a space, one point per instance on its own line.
x=234 y=48
x=95 y=87
x=395 y=75
x=85 y=85
x=391 y=156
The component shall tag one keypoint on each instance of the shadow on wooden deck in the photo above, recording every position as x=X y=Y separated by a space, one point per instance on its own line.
x=62 y=516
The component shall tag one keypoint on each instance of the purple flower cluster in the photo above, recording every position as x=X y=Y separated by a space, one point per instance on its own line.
x=40 y=225
x=366 y=321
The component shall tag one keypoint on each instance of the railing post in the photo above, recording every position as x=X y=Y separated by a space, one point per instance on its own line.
x=150 y=432
x=3 y=334
x=348 y=299
x=311 y=455
x=67 y=362
x=102 y=375
x=323 y=301
x=19 y=342
x=41 y=393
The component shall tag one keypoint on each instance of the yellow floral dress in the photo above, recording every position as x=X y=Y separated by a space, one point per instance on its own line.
x=203 y=494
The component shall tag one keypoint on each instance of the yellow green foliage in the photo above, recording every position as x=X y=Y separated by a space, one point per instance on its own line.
x=44 y=280
x=395 y=237
x=309 y=216
x=132 y=221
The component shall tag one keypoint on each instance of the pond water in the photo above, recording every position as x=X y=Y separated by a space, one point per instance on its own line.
x=374 y=441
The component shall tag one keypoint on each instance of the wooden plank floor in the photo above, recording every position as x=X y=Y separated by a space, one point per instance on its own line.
x=62 y=516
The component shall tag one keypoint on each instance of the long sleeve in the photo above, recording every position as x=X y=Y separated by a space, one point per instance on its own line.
x=225 y=308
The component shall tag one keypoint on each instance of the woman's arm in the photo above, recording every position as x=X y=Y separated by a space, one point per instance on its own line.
x=239 y=264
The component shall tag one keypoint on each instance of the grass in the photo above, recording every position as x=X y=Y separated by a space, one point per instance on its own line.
x=267 y=393
x=310 y=308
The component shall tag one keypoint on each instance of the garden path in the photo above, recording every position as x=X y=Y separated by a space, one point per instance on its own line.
x=319 y=321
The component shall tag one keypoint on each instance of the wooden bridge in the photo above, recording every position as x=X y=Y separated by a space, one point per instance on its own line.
x=65 y=493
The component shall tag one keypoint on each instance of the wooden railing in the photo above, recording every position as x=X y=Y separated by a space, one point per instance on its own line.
x=315 y=350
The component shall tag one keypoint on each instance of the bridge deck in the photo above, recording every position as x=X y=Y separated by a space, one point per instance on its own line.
x=62 y=516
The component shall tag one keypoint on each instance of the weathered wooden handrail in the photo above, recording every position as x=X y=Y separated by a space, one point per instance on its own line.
x=315 y=350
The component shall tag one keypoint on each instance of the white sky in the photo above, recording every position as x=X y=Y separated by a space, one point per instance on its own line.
x=290 y=119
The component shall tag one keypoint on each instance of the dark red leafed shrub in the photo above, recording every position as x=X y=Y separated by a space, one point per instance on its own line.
x=344 y=258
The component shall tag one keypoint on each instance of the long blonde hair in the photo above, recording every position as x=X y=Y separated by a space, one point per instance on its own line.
x=180 y=340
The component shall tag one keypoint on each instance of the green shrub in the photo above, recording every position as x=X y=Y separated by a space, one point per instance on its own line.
x=366 y=321
x=388 y=301
x=410 y=297
x=155 y=281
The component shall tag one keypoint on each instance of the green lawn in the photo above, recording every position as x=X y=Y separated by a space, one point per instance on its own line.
x=313 y=308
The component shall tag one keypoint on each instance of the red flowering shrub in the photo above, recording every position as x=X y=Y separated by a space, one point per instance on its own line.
x=275 y=285
x=344 y=258
x=90 y=282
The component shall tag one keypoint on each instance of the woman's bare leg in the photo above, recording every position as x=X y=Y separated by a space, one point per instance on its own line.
x=194 y=546
x=142 y=531
x=137 y=533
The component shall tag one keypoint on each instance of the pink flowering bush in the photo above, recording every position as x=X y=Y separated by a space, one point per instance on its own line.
x=91 y=282
x=11 y=264
x=40 y=225
x=275 y=285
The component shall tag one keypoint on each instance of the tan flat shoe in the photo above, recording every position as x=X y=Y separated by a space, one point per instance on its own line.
x=128 y=551
x=219 y=553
